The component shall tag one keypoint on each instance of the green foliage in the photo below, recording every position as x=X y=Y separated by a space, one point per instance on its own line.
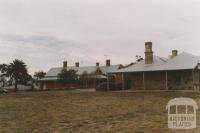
x=25 y=79
x=68 y=76
x=84 y=75
x=3 y=68
x=3 y=79
x=16 y=71
x=39 y=74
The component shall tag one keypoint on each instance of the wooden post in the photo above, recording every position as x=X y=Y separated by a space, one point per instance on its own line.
x=95 y=81
x=193 y=79
x=123 y=87
x=108 y=82
x=167 y=81
x=199 y=80
x=143 y=81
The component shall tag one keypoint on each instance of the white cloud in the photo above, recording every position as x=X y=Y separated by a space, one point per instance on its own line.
x=46 y=32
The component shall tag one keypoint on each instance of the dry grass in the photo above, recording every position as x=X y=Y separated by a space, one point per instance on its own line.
x=86 y=112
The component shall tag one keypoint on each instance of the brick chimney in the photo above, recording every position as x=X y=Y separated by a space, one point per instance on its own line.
x=77 y=64
x=174 y=53
x=97 y=64
x=108 y=62
x=65 y=64
x=148 y=53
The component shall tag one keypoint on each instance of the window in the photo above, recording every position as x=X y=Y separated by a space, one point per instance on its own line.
x=181 y=109
x=172 y=110
x=190 y=110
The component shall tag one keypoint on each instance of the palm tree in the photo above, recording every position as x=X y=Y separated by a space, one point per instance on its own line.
x=17 y=72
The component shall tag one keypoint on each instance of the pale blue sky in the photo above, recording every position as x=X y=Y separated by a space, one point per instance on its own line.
x=45 y=32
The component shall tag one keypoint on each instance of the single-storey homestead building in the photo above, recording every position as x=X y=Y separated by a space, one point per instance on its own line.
x=179 y=72
x=90 y=76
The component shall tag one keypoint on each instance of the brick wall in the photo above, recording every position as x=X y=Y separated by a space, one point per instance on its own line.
x=89 y=83
x=182 y=80
x=57 y=85
x=136 y=82
x=155 y=81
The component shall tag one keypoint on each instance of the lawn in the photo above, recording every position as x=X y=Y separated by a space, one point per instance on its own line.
x=88 y=112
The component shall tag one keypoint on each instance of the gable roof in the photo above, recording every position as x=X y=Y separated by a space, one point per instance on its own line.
x=183 y=61
x=53 y=72
x=107 y=69
x=141 y=66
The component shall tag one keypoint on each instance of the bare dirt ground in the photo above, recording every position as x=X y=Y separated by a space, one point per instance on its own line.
x=88 y=112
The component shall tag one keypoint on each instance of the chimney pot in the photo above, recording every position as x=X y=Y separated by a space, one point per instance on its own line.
x=64 y=64
x=77 y=64
x=148 y=53
x=97 y=64
x=174 y=53
x=148 y=46
x=108 y=62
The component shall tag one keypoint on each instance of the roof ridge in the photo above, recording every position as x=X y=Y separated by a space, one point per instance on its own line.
x=187 y=54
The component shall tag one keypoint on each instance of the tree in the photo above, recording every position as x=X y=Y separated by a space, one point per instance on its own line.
x=39 y=74
x=3 y=68
x=17 y=72
x=68 y=76
x=139 y=58
x=25 y=79
x=3 y=80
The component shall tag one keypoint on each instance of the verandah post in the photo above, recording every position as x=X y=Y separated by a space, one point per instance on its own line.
x=143 y=81
x=108 y=82
x=166 y=80
x=193 y=79
x=123 y=82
